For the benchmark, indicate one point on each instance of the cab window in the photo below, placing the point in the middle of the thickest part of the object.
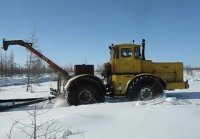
(137, 52)
(115, 53)
(126, 52)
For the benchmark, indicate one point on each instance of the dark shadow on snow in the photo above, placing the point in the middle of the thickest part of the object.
(116, 99)
(177, 95)
(184, 95)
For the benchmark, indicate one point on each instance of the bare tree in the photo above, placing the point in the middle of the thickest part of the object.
(11, 65)
(99, 68)
(5, 65)
(9, 135)
(46, 130)
(1, 64)
(35, 66)
(189, 70)
(69, 67)
(29, 70)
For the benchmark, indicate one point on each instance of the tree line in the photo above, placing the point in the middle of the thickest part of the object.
(9, 67)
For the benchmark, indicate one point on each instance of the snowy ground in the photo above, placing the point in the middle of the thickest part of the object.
(176, 116)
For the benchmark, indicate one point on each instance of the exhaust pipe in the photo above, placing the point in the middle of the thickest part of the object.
(143, 49)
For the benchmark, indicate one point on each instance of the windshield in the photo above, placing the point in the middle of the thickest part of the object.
(126, 52)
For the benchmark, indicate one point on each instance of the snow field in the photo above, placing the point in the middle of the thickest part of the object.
(175, 116)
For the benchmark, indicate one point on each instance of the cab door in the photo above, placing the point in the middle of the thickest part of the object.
(128, 62)
(124, 61)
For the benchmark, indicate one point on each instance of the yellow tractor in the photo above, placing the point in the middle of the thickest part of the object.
(130, 74)
(127, 74)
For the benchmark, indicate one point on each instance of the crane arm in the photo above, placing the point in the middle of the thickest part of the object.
(27, 45)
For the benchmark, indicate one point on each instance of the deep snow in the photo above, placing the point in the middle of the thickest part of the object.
(175, 116)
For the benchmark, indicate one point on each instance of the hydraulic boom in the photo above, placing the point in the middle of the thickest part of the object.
(27, 45)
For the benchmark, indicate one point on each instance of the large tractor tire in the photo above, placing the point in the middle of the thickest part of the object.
(145, 88)
(85, 93)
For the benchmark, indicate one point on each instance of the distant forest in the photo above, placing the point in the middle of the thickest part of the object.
(34, 66)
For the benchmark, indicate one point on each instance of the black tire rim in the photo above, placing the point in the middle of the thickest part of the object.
(85, 96)
(146, 93)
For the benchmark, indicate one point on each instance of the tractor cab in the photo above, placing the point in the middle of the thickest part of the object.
(125, 51)
(126, 58)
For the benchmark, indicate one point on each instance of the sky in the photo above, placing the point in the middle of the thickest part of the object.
(80, 31)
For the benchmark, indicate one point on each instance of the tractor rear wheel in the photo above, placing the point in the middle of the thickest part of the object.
(85, 94)
(145, 88)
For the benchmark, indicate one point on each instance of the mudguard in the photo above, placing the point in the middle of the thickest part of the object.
(164, 84)
(85, 78)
